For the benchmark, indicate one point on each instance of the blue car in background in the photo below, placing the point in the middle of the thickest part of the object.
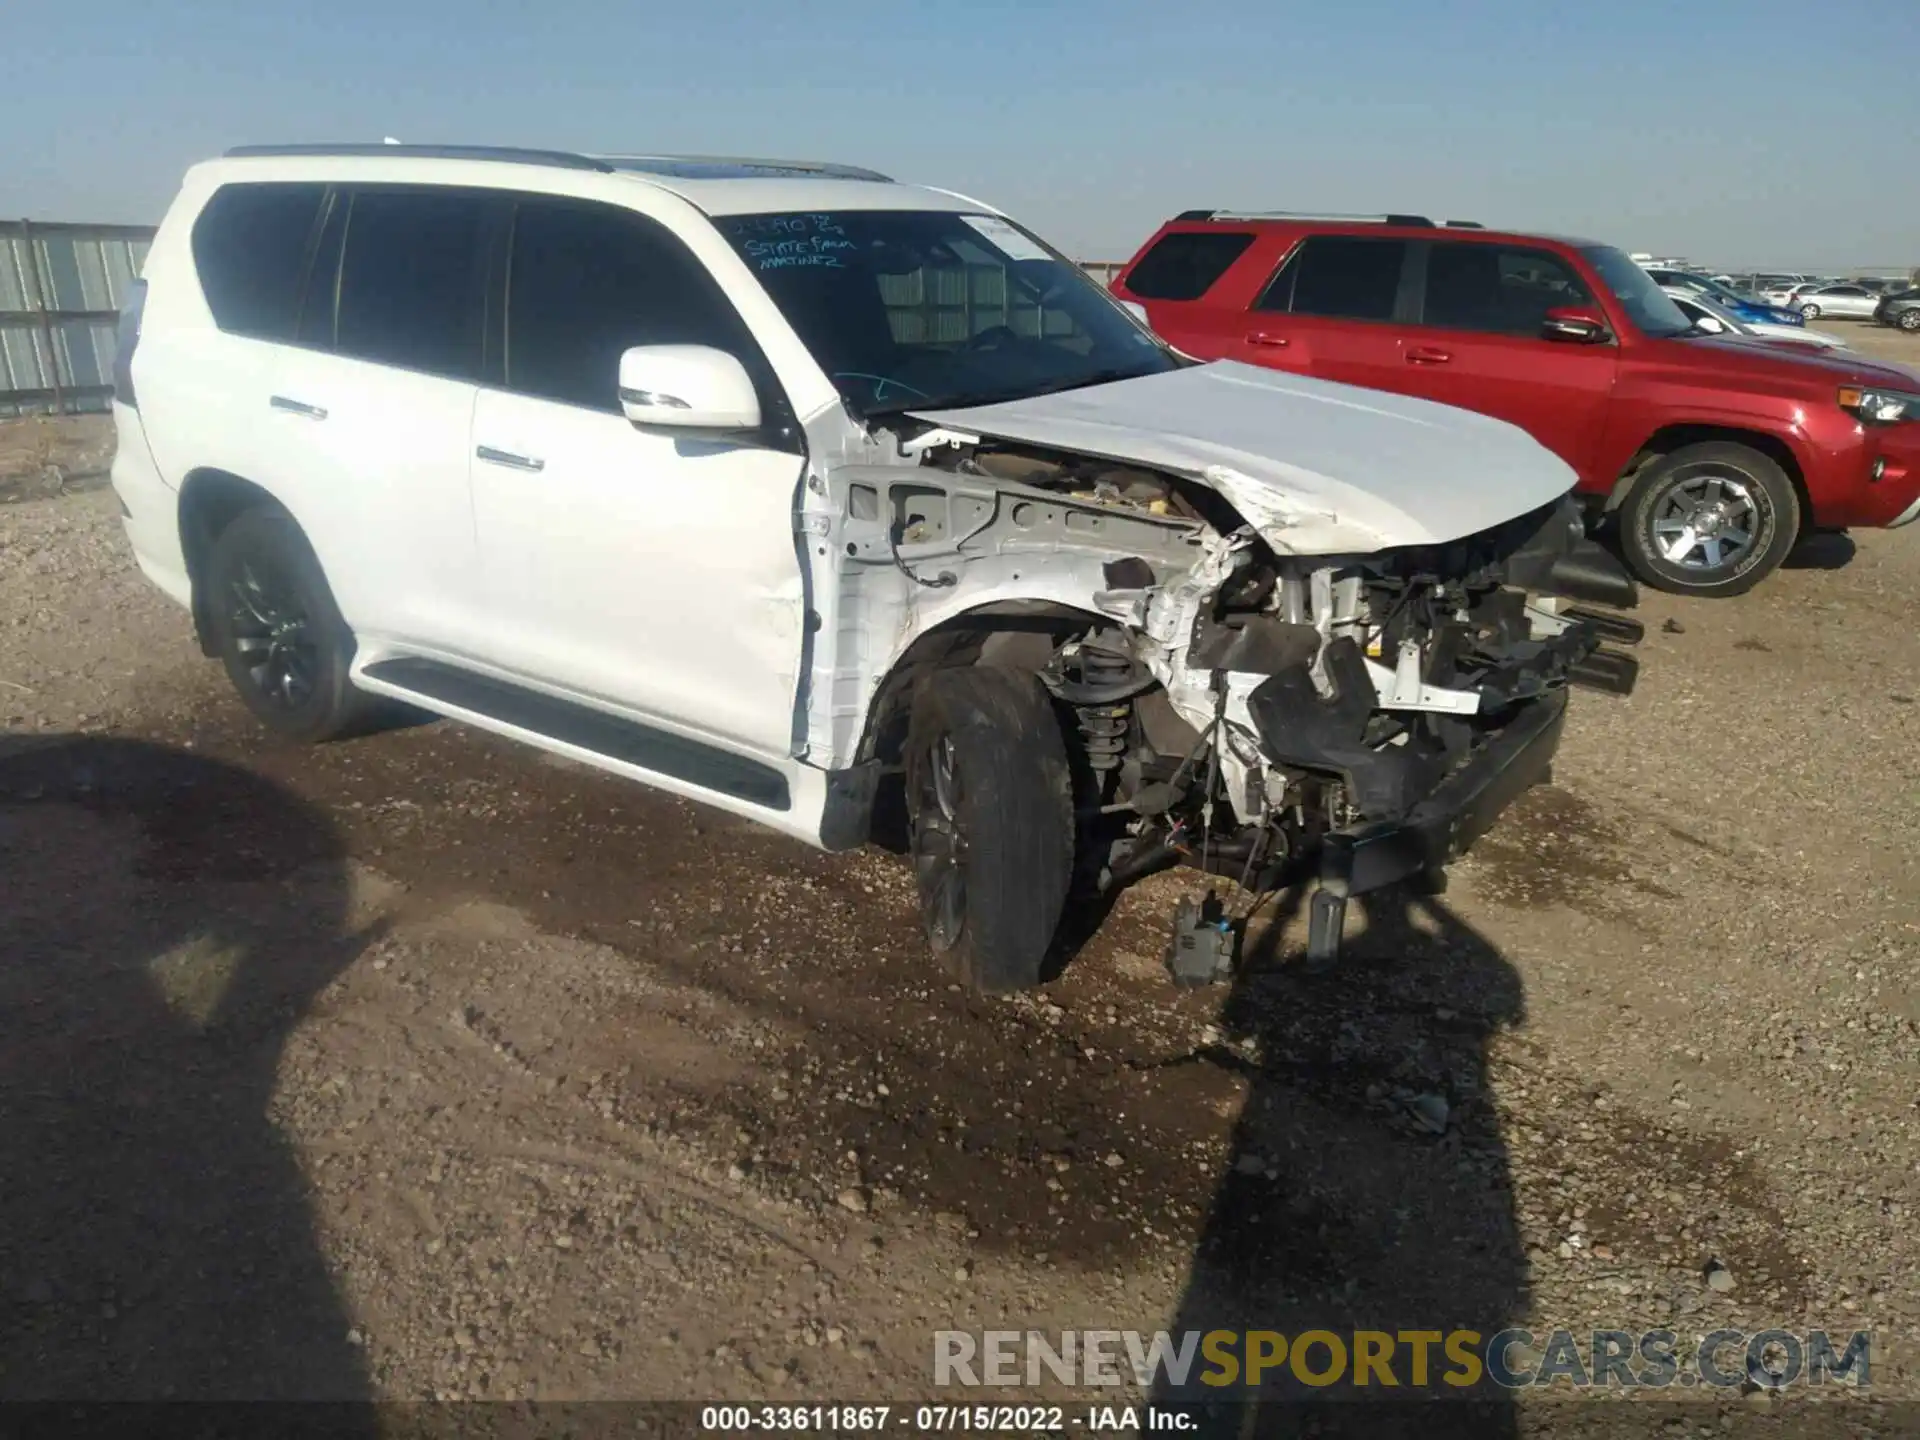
(1744, 307)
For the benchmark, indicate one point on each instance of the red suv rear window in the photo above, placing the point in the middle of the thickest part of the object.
(1184, 264)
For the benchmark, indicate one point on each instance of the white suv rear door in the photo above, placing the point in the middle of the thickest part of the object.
(204, 388)
(371, 408)
(648, 571)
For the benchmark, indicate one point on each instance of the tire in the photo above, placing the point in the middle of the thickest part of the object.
(1809, 313)
(277, 631)
(989, 800)
(1731, 483)
(1909, 320)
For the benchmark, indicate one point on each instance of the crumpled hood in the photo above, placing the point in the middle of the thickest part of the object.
(1316, 467)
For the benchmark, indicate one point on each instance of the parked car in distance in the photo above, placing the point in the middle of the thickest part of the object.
(688, 470)
(1781, 292)
(1746, 309)
(1901, 309)
(1711, 453)
(1845, 298)
(1713, 318)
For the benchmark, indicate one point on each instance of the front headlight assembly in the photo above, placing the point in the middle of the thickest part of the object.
(1876, 405)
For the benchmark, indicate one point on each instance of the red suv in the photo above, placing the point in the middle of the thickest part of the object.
(1713, 453)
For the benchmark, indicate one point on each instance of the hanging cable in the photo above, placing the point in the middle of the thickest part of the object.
(940, 582)
(1218, 731)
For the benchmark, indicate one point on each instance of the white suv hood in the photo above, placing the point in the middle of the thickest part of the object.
(1317, 468)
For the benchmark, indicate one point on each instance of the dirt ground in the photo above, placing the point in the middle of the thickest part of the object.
(424, 1066)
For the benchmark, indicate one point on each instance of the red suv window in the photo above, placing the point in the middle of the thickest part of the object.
(1341, 277)
(1185, 264)
(1498, 289)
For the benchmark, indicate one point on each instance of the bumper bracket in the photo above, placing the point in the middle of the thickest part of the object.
(1441, 828)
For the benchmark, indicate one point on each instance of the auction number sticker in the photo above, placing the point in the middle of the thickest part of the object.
(1011, 241)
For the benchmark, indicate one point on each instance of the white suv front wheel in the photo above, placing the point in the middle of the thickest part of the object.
(989, 797)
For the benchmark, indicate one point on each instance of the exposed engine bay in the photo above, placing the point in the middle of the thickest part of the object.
(1249, 710)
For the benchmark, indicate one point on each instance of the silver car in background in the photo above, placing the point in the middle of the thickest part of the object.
(1846, 298)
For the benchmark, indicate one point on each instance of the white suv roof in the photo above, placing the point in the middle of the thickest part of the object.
(717, 185)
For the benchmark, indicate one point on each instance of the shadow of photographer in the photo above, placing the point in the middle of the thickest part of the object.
(168, 919)
(1368, 1187)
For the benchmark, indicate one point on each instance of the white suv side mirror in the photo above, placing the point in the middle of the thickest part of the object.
(687, 387)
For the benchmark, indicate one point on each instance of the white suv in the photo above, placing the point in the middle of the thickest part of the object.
(801, 492)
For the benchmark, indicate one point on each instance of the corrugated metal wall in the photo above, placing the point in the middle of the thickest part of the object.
(61, 287)
(945, 305)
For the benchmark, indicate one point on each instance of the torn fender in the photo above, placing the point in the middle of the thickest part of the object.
(897, 551)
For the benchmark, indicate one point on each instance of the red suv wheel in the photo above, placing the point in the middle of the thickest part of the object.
(1710, 520)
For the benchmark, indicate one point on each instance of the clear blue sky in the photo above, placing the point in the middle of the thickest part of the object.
(1740, 132)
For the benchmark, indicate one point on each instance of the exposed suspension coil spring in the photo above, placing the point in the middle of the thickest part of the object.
(1104, 727)
(1098, 676)
(1104, 731)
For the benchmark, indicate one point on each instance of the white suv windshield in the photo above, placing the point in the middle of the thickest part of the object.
(910, 310)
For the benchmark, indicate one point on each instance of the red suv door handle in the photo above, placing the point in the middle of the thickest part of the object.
(1267, 338)
(1427, 355)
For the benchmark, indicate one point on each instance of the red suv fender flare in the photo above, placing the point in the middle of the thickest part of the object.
(1784, 450)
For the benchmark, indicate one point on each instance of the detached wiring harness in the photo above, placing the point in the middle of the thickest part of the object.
(895, 532)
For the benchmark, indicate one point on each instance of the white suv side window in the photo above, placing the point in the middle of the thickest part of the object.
(250, 248)
(587, 282)
(412, 280)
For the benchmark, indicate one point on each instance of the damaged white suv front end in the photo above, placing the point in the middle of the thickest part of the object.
(1089, 619)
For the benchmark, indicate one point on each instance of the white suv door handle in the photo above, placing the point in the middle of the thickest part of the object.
(297, 407)
(510, 460)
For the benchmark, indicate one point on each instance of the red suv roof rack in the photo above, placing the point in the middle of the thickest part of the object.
(1417, 221)
(1387, 219)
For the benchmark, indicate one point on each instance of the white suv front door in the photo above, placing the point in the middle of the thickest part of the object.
(651, 573)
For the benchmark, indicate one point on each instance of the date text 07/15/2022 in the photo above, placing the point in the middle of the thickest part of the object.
(944, 1419)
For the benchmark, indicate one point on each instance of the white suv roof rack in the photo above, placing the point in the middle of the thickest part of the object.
(685, 167)
(721, 167)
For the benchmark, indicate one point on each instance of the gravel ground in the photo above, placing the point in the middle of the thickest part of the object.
(42, 456)
(422, 1066)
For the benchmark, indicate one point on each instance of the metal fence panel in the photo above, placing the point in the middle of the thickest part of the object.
(84, 348)
(950, 304)
(23, 356)
(61, 289)
(17, 292)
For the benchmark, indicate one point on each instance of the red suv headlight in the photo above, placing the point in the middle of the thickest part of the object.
(1877, 405)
